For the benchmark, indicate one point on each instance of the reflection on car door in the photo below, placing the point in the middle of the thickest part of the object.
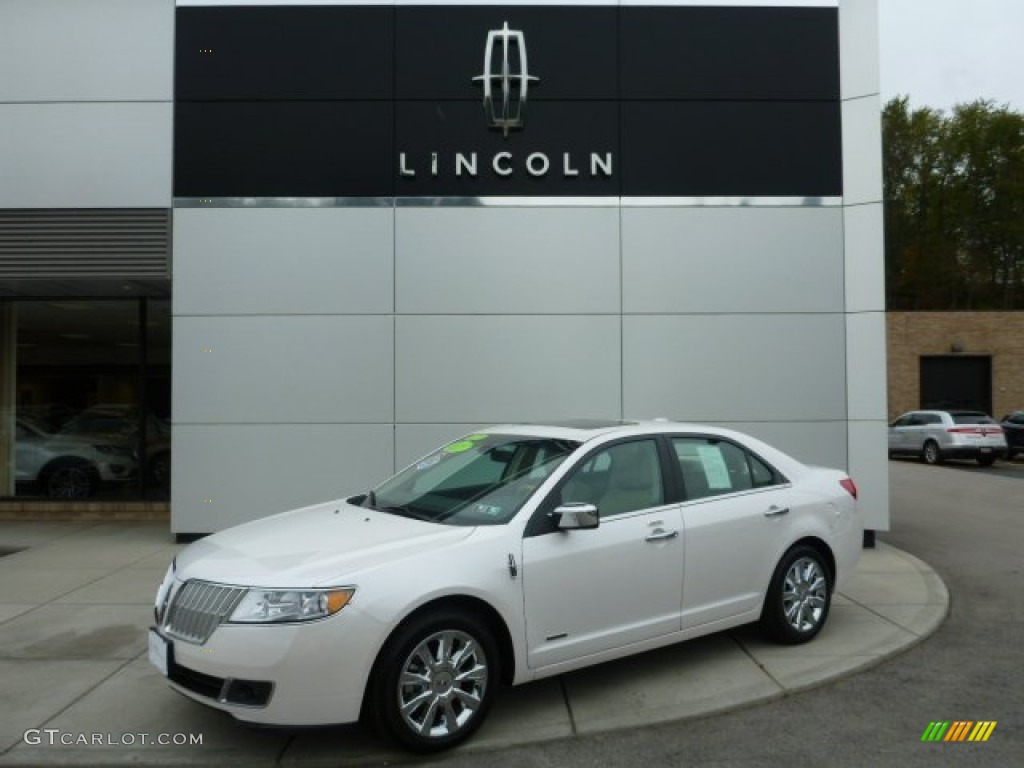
(588, 591)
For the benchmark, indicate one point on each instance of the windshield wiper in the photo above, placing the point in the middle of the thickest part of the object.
(407, 512)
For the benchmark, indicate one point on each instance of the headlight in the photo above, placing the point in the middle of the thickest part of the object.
(270, 606)
(164, 592)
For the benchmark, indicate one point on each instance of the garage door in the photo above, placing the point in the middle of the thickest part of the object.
(957, 382)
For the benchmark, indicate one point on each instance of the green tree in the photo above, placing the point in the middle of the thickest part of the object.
(954, 218)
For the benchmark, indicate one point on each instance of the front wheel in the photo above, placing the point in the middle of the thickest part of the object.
(931, 454)
(799, 597)
(70, 479)
(435, 681)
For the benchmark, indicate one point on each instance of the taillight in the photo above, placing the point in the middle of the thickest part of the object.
(849, 486)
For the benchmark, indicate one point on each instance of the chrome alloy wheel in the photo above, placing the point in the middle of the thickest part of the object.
(442, 684)
(804, 594)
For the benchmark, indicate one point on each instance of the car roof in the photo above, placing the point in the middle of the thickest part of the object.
(950, 411)
(583, 430)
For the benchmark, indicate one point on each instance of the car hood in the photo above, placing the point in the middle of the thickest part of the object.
(324, 545)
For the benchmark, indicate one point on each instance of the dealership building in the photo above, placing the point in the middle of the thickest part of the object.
(284, 249)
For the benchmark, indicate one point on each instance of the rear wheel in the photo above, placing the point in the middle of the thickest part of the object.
(931, 453)
(799, 596)
(435, 681)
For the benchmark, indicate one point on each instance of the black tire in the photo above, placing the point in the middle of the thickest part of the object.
(986, 460)
(70, 479)
(799, 597)
(931, 453)
(450, 709)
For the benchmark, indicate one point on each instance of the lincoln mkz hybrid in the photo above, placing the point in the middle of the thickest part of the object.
(509, 555)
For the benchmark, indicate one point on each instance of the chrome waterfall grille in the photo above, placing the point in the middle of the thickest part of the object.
(198, 608)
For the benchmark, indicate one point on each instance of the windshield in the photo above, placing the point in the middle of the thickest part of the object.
(477, 480)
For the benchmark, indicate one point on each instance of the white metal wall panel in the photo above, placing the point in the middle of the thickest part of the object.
(864, 257)
(94, 50)
(531, 260)
(858, 48)
(506, 368)
(866, 360)
(863, 227)
(300, 261)
(735, 259)
(862, 150)
(279, 370)
(822, 443)
(85, 155)
(229, 474)
(869, 467)
(735, 367)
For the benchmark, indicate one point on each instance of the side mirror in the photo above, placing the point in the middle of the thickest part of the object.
(575, 516)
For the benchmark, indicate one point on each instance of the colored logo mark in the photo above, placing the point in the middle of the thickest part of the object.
(959, 730)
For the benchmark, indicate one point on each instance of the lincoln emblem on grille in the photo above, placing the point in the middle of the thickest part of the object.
(505, 83)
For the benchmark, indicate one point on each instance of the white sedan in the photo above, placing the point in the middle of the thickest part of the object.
(509, 555)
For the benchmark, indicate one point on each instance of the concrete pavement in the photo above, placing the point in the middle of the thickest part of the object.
(78, 690)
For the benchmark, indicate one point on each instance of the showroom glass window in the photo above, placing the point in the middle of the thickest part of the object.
(85, 399)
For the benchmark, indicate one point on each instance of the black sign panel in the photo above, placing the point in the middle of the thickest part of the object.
(283, 53)
(283, 149)
(730, 53)
(732, 148)
(341, 101)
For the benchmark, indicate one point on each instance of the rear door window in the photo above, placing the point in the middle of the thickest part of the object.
(713, 467)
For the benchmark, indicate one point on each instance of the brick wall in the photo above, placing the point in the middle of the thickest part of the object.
(997, 334)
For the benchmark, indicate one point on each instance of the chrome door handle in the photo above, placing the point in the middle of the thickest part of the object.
(774, 511)
(662, 535)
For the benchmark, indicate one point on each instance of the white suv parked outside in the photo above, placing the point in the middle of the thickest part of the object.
(939, 435)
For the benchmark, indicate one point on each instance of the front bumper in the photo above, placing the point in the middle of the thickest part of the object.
(116, 470)
(294, 674)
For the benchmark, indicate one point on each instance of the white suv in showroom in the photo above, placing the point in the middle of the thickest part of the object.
(67, 466)
(938, 435)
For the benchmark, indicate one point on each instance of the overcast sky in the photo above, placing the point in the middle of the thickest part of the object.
(946, 52)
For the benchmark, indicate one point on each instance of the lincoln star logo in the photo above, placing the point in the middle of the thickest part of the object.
(505, 78)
